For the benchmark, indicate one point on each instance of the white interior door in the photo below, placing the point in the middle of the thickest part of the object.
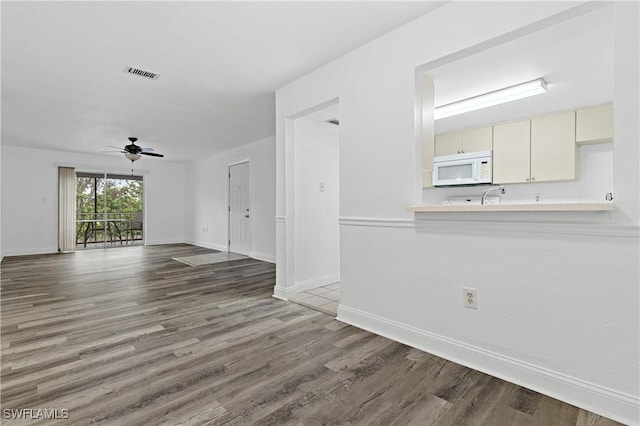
(239, 209)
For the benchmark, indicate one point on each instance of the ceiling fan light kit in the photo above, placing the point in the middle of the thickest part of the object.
(134, 152)
(132, 157)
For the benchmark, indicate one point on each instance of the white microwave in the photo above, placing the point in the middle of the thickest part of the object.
(470, 168)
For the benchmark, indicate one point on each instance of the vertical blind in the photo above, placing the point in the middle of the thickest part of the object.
(66, 209)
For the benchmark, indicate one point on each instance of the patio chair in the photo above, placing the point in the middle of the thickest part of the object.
(135, 226)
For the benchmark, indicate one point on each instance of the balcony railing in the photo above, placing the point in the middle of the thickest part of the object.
(108, 228)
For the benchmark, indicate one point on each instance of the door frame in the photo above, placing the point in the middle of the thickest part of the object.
(286, 284)
(229, 203)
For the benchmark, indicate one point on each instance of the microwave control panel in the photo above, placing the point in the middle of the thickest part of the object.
(485, 170)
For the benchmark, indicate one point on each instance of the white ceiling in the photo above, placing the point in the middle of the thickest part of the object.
(63, 85)
(574, 57)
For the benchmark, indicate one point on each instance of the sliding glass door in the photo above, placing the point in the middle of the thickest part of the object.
(109, 210)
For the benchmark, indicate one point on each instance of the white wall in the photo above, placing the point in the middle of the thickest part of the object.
(317, 229)
(208, 192)
(1, 252)
(558, 293)
(30, 196)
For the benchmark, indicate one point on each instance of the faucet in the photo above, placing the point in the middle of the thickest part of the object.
(497, 188)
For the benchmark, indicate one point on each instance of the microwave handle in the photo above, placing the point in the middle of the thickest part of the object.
(474, 169)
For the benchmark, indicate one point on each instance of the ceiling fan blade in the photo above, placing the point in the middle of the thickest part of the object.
(152, 154)
(147, 150)
(115, 147)
(119, 151)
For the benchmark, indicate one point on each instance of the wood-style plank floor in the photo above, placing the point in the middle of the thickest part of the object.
(129, 336)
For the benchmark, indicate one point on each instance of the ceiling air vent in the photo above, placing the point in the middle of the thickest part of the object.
(333, 121)
(142, 73)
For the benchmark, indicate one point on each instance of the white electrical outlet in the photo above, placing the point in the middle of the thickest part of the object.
(470, 298)
(537, 197)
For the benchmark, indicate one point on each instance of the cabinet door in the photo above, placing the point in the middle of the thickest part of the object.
(477, 139)
(594, 125)
(448, 143)
(553, 147)
(427, 178)
(511, 152)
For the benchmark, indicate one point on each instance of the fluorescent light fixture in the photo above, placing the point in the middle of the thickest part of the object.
(497, 97)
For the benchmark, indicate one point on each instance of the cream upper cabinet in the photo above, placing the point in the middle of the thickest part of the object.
(594, 125)
(467, 141)
(448, 143)
(511, 152)
(553, 147)
(477, 139)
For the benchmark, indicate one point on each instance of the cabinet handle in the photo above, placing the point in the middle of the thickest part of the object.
(533, 178)
(528, 179)
(458, 151)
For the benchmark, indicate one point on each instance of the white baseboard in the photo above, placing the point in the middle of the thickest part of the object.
(262, 256)
(285, 293)
(30, 251)
(598, 399)
(254, 254)
(280, 292)
(208, 245)
(161, 242)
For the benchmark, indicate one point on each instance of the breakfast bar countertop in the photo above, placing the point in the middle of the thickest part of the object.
(534, 207)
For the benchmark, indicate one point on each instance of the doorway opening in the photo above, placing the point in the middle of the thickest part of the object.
(109, 210)
(316, 208)
(239, 209)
